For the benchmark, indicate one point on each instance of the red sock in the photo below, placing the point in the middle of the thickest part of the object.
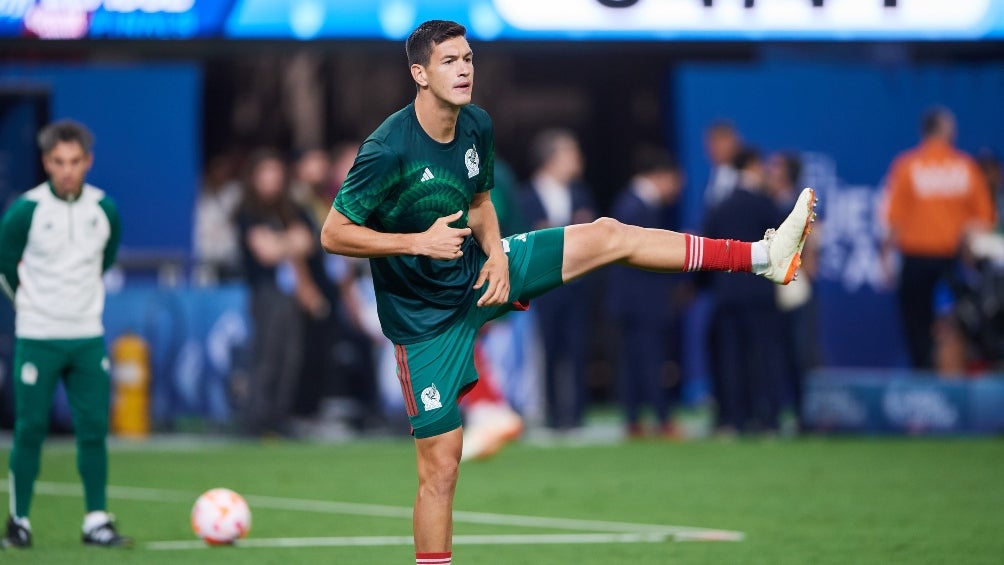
(706, 254)
(445, 558)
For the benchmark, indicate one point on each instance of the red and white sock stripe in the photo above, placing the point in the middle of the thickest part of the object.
(706, 254)
(434, 558)
(695, 253)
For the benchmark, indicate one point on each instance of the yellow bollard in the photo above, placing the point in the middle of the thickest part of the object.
(131, 379)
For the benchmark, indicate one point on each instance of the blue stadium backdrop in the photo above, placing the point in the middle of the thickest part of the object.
(147, 121)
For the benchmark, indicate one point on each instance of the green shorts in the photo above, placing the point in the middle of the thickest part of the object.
(435, 373)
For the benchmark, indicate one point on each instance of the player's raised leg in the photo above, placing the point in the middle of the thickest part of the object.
(777, 257)
(438, 468)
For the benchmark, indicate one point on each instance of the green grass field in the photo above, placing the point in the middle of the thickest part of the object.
(805, 501)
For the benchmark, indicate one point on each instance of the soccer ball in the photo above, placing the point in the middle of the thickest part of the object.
(221, 516)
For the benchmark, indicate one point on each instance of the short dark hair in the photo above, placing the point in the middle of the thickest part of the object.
(65, 131)
(746, 157)
(933, 120)
(426, 36)
(545, 144)
(792, 166)
(650, 159)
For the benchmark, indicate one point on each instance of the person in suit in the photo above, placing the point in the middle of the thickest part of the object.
(722, 144)
(747, 361)
(556, 197)
(641, 303)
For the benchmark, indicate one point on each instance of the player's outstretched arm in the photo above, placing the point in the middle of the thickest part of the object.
(342, 236)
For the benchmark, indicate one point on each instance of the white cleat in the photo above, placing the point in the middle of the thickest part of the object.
(784, 245)
(488, 429)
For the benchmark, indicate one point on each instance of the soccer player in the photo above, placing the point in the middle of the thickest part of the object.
(416, 203)
(56, 240)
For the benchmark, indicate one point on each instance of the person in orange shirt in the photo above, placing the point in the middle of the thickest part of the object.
(937, 194)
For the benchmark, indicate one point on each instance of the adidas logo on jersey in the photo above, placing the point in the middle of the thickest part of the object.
(427, 175)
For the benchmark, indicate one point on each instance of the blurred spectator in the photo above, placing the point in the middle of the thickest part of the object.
(781, 178)
(937, 193)
(343, 369)
(795, 300)
(722, 143)
(641, 302)
(990, 164)
(746, 353)
(505, 199)
(556, 197)
(345, 270)
(214, 237)
(275, 239)
(969, 314)
(310, 186)
(342, 156)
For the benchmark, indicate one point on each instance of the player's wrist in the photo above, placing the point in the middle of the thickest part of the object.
(495, 251)
(413, 244)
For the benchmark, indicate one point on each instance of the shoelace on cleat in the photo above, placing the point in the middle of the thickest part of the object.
(103, 534)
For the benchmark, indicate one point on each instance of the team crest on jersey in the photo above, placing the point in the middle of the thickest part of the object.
(430, 398)
(473, 162)
(29, 374)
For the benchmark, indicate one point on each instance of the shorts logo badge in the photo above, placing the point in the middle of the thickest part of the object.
(29, 374)
(473, 162)
(430, 398)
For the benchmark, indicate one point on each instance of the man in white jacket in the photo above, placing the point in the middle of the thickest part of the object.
(56, 241)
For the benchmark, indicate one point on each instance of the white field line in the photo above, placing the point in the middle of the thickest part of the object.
(387, 541)
(662, 532)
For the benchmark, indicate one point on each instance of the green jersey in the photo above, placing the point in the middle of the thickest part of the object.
(402, 181)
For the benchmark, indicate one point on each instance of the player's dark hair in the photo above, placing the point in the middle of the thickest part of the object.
(933, 120)
(792, 166)
(545, 145)
(65, 131)
(650, 159)
(426, 36)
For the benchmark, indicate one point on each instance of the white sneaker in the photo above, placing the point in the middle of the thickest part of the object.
(784, 245)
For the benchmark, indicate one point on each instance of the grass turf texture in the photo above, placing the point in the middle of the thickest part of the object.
(806, 501)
